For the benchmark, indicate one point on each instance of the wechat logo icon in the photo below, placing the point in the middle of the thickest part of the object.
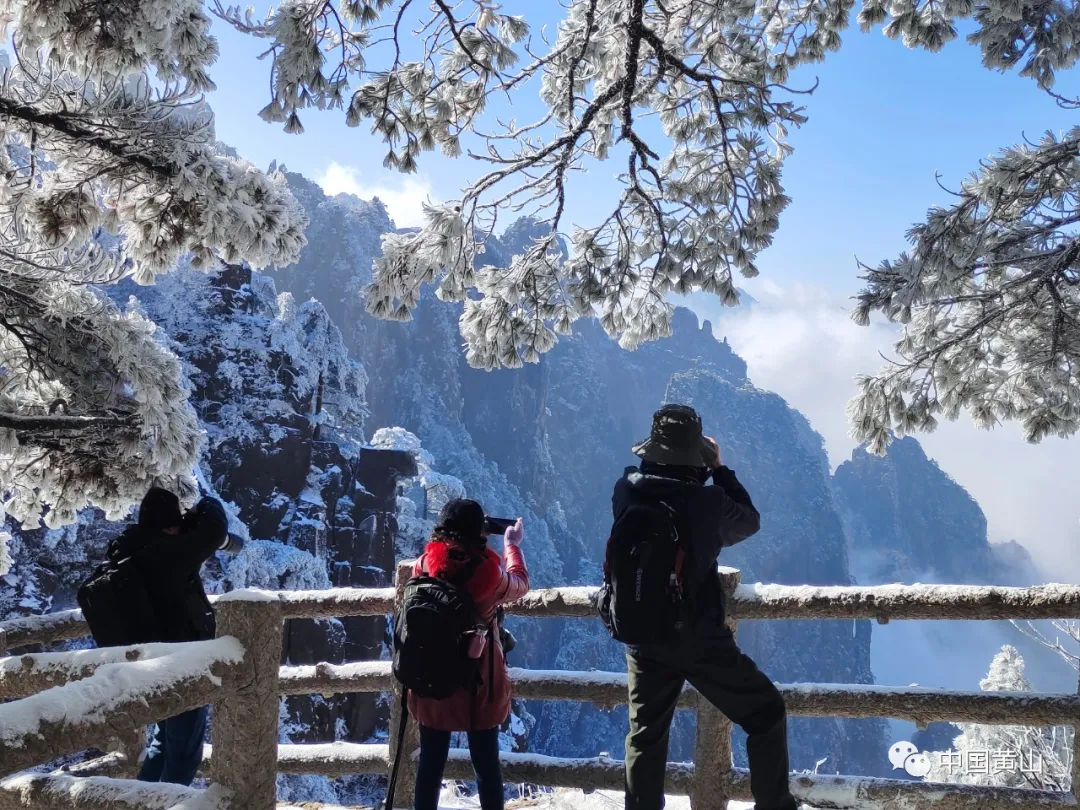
(905, 756)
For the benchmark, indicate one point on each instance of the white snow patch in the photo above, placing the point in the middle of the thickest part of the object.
(5, 554)
(248, 595)
(95, 790)
(917, 591)
(312, 496)
(345, 597)
(562, 676)
(566, 799)
(362, 754)
(44, 663)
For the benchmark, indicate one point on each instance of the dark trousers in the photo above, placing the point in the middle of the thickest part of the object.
(484, 751)
(175, 753)
(732, 683)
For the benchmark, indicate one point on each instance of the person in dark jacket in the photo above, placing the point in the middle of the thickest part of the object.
(169, 549)
(677, 464)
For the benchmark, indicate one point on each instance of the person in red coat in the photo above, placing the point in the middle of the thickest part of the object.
(459, 541)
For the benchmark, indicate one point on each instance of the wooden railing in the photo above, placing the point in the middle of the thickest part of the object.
(68, 702)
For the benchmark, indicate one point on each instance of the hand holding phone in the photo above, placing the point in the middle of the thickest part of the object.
(712, 444)
(515, 534)
(494, 525)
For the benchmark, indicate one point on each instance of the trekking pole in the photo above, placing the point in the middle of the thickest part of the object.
(391, 787)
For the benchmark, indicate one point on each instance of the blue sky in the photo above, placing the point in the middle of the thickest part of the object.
(883, 121)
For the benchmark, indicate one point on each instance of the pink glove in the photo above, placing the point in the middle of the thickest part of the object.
(514, 534)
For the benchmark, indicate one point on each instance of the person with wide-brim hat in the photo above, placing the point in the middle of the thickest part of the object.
(677, 440)
(677, 461)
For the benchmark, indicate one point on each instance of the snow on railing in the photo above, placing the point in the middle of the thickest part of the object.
(28, 674)
(747, 602)
(98, 793)
(142, 684)
(50, 628)
(885, 602)
(83, 713)
(335, 679)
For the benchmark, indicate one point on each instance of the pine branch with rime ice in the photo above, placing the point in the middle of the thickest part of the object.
(109, 170)
(701, 200)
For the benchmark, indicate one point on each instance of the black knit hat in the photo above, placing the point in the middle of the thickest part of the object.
(160, 509)
(676, 439)
(462, 520)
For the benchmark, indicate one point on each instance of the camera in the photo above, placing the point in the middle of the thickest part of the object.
(493, 525)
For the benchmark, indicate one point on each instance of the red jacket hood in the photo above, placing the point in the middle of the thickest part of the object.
(445, 560)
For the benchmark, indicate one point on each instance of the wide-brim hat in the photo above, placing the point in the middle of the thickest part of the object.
(676, 439)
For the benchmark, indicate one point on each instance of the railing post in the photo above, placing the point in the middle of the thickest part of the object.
(245, 722)
(403, 794)
(131, 744)
(712, 752)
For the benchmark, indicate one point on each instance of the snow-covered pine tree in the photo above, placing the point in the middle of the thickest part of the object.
(1013, 756)
(989, 296)
(109, 169)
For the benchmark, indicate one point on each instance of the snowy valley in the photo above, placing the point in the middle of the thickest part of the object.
(336, 437)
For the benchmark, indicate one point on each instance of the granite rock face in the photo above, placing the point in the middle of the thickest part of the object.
(292, 380)
(548, 442)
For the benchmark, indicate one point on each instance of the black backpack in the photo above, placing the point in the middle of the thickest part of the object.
(642, 600)
(117, 605)
(431, 635)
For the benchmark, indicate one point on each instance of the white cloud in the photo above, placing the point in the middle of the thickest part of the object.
(403, 195)
(800, 342)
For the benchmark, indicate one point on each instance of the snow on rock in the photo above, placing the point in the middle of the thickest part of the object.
(6, 560)
(397, 438)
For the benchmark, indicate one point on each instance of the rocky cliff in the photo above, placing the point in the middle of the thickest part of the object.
(291, 413)
(906, 520)
(548, 442)
(283, 405)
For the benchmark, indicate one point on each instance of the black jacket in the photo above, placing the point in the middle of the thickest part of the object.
(170, 565)
(709, 518)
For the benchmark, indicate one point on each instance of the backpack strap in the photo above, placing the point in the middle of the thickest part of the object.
(491, 661)
(680, 548)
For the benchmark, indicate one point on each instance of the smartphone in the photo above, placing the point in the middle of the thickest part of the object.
(493, 525)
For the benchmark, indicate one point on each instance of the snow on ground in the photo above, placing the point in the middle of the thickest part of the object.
(565, 799)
